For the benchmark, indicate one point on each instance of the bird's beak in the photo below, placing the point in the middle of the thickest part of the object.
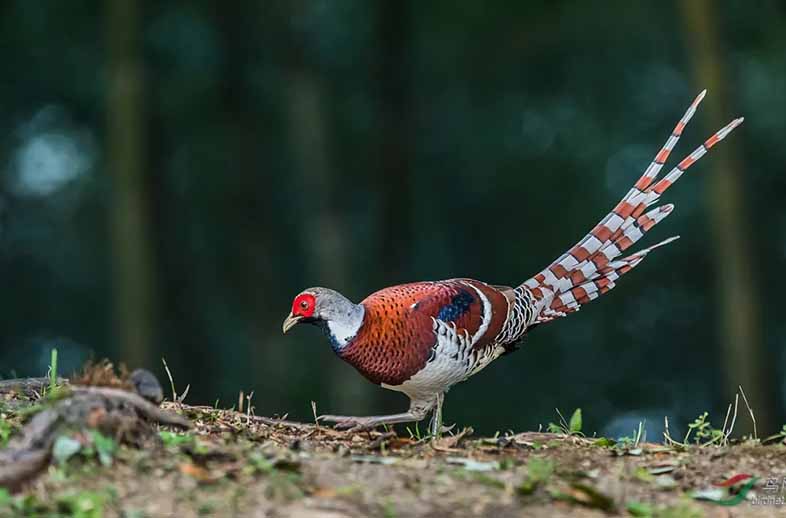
(290, 322)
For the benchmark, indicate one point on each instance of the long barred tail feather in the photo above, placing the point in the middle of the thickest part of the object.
(622, 239)
(607, 228)
(657, 163)
(591, 267)
(602, 282)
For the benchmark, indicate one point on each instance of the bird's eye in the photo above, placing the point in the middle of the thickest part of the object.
(304, 304)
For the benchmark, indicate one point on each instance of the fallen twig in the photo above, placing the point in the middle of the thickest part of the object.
(447, 444)
(377, 443)
(750, 411)
(270, 421)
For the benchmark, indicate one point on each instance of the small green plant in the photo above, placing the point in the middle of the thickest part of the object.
(83, 504)
(415, 433)
(6, 429)
(680, 510)
(389, 509)
(631, 442)
(5, 498)
(704, 434)
(206, 509)
(52, 391)
(572, 427)
(99, 445)
(53, 371)
(283, 476)
(539, 471)
(175, 439)
(79, 504)
(260, 464)
(488, 480)
(21, 505)
(477, 477)
(703, 431)
(284, 486)
(104, 447)
(640, 509)
(604, 442)
(643, 474)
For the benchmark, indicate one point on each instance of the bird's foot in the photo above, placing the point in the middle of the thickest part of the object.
(355, 424)
(350, 423)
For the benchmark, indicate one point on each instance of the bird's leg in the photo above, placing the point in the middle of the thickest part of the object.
(436, 428)
(417, 411)
(436, 417)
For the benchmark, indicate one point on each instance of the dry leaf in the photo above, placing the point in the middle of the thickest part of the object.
(196, 472)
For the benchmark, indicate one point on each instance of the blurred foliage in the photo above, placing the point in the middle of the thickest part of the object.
(359, 144)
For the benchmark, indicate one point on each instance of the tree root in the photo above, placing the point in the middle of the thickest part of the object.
(121, 414)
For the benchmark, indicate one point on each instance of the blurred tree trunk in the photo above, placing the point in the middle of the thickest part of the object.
(240, 24)
(394, 171)
(319, 187)
(128, 219)
(743, 349)
(308, 132)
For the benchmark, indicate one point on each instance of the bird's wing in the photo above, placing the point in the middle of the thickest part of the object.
(476, 310)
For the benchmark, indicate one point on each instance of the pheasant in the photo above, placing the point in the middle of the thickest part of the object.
(424, 337)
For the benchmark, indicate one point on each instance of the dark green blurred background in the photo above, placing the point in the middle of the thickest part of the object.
(173, 173)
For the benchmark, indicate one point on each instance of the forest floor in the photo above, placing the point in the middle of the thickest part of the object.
(236, 464)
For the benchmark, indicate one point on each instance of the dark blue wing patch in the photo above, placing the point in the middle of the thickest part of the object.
(459, 304)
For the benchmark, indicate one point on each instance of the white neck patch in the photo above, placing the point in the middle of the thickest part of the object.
(345, 330)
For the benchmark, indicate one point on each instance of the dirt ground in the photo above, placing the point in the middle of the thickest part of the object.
(233, 464)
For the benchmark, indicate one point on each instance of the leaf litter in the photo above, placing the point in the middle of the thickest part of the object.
(230, 463)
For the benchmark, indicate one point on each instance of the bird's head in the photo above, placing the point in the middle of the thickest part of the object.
(327, 308)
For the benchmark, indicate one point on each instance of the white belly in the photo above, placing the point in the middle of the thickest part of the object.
(452, 361)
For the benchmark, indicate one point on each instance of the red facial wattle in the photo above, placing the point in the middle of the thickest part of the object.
(303, 305)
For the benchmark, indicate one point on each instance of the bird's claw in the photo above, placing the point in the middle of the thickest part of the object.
(446, 429)
(442, 429)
